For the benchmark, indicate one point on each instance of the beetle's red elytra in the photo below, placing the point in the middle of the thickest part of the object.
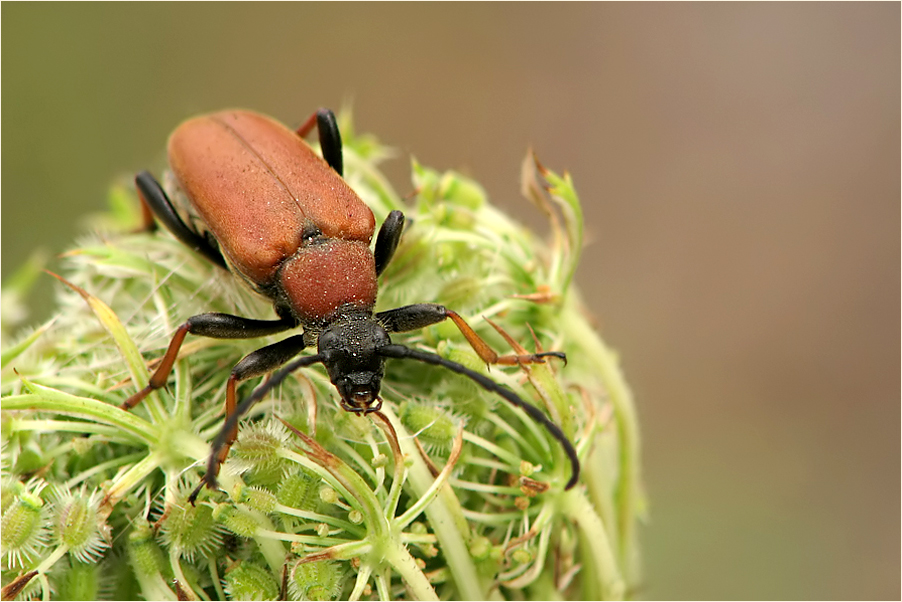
(283, 184)
(255, 199)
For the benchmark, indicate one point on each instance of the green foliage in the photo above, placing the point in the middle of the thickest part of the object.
(327, 505)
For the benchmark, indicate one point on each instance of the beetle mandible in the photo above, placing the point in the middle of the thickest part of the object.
(256, 200)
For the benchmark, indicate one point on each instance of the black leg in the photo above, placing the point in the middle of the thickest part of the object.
(388, 239)
(232, 421)
(258, 363)
(155, 197)
(329, 137)
(413, 317)
(402, 352)
(267, 359)
(214, 326)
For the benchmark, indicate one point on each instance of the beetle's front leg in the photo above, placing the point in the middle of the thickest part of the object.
(215, 326)
(413, 317)
(260, 362)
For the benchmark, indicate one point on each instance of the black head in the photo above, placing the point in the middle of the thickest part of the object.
(349, 350)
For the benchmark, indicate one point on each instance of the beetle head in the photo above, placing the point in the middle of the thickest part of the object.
(349, 348)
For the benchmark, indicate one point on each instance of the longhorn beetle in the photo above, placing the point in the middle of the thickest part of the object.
(256, 200)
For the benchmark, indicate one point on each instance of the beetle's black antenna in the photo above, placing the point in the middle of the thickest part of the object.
(402, 352)
(259, 393)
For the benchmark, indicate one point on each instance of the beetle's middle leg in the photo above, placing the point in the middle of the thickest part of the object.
(215, 326)
(388, 239)
(413, 317)
(153, 197)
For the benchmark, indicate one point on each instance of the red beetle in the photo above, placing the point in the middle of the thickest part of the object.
(255, 199)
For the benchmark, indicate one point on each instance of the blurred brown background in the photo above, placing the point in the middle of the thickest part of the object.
(739, 166)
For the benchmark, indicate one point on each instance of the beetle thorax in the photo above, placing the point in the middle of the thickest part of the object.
(326, 276)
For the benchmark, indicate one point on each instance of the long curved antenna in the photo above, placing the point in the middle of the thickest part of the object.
(213, 463)
(402, 352)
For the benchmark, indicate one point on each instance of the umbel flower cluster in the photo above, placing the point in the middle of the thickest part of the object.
(449, 492)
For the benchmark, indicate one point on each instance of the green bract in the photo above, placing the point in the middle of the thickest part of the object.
(454, 495)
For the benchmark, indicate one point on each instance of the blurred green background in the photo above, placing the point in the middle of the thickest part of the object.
(739, 166)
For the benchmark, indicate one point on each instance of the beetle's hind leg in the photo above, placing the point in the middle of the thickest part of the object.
(155, 202)
(329, 137)
(413, 317)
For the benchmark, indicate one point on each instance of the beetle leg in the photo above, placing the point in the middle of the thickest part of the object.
(153, 196)
(213, 462)
(388, 239)
(329, 137)
(413, 317)
(214, 326)
(148, 223)
(258, 363)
